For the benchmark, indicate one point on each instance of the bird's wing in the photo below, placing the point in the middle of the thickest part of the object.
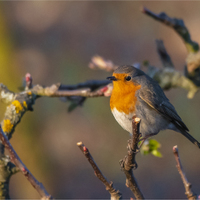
(158, 101)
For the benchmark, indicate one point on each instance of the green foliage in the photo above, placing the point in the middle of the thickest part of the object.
(151, 146)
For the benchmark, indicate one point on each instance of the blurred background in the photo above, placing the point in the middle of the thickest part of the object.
(54, 41)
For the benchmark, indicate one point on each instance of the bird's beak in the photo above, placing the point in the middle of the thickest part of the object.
(112, 78)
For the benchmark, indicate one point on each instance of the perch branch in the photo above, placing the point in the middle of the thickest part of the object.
(17, 161)
(188, 191)
(178, 25)
(115, 194)
(129, 163)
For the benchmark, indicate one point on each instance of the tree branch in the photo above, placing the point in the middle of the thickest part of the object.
(115, 194)
(192, 69)
(17, 161)
(188, 191)
(7, 169)
(19, 103)
(14, 112)
(53, 91)
(178, 25)
(170, 78)
(129, 163)
(23, 101)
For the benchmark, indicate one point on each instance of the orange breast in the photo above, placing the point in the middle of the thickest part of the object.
(123, 95)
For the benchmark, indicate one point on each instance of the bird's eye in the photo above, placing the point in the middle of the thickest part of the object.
(127, 78)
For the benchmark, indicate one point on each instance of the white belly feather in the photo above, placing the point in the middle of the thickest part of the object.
(151, 122)
(123, 119)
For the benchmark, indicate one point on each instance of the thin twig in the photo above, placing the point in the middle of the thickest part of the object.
(188, 191)
(17, 161)
(82, 92)
(129, 163)
(164, 56)
(55, 91)
(115, 194)
(98, 62)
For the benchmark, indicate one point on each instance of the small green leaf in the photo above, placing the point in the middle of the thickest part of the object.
(151, 146)
(154, 144)
(156, 153)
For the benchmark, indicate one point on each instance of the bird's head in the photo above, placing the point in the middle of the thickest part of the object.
(125, 77)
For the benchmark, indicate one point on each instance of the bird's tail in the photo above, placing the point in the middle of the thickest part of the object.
(189, 137)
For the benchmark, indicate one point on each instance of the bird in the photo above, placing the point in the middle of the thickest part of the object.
(136, 94)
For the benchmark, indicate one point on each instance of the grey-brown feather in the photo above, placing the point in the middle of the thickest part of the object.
(154, 96)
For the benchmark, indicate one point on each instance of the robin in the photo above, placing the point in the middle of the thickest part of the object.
(135, 93)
